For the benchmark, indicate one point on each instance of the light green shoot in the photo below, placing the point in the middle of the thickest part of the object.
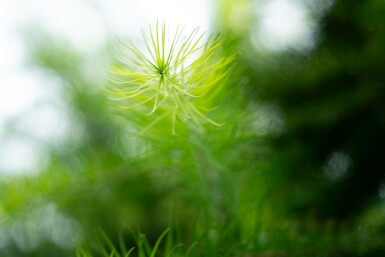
(167, 74)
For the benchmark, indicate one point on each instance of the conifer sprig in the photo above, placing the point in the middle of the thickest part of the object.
(170, 75)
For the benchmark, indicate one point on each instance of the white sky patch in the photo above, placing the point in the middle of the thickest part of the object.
(121, 16)
(47, 123)
(21, 89)
(127, 18)
(75, 21)
(20, 156)
(282, 25)
(182, 12)
(11, 48)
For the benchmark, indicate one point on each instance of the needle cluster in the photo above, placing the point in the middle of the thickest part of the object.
(170, 74)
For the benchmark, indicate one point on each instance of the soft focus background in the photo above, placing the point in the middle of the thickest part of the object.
(296, 171)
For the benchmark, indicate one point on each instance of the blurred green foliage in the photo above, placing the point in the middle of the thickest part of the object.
(297, 169)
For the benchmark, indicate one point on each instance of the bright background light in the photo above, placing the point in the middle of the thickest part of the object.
(284, 24)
